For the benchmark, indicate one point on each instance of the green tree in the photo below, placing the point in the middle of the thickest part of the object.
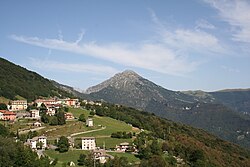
(63, 144)
(3, 106)
(154, 161)
(61, 118)
(156, 148)
(3, 131)
(81, 160)
(82, 118)
(45, 118)
(92, 113)
(53, 120)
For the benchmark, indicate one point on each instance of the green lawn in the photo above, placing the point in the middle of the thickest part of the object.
(111, 125)
(65, 157)
(78, 111)
(65, 130)
(74, 155)
(110, 142)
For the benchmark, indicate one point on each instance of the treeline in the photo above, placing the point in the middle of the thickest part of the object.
(16, 80)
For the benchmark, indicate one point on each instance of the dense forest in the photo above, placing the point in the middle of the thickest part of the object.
(16, 80)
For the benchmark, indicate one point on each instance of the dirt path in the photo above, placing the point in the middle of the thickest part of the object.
(79, 133)
(34, 129)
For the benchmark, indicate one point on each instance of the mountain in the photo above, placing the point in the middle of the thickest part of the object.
(237, 99)
(129, 88)
(17, 81)
(196, 108)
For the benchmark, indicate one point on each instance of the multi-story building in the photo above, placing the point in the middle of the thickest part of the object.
(39, 102)
(88, 143)
(34, 142)
(7, 115)
(18, 105)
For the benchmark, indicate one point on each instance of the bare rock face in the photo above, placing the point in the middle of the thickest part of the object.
(123, 80)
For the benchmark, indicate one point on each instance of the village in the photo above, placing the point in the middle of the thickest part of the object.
(80, 135)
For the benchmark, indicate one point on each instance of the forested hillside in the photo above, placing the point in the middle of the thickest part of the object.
(195, 146)
(16, 80)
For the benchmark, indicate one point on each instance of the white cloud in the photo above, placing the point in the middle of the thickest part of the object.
(235, 13)
(73, 67)
(60, 36)
(172, 52)
(151, 56)
(204, 24)
(229, 69)
(189, 40)
(80, 36)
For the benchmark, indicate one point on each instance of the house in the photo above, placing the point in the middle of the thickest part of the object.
(7, 115)
(37, 124)
(100, 155)
(34, 114)
(89, 122)
(51, 109)
(88, 143)
(71, 102)
(18, 105)
(51, 101)
(33, 143)
(122, 147)
(1, 115)
(69, 116)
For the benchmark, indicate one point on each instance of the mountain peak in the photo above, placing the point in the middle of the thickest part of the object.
(123, 79)
(129, 72)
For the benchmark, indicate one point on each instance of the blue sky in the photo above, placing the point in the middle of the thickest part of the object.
(178, 44)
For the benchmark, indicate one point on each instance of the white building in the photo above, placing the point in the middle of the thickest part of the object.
(88, 143)
(18, 105)
(89, 122)
(34, 141)
(34, 114)
(122, 147)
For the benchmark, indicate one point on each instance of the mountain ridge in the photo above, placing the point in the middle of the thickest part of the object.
(192, 108)
(18, 81)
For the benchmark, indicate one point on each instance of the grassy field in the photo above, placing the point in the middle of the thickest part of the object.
(78, 111)
(111, 125)
(74, 156)
(110, 142)
(65, 157)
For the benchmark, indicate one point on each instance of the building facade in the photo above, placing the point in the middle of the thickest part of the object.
(34, 114)
(88, 143)
(18, 105)
(7, 115)
(89, 122)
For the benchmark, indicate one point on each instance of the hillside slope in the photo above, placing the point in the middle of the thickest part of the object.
(130, 89)
(16, 80)
(182, 140)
